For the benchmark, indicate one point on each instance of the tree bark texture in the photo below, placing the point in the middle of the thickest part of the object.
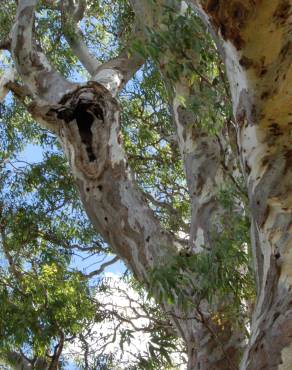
(86, 119)
(255, 40)
(89, 130)
(256, 37)
(204, 160)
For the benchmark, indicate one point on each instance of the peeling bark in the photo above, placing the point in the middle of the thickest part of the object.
(33, 67)
(257, 50)
(89, 130)
(7, 77)
(106, 184)
(217, 347)
(257, 41)
(203, 160)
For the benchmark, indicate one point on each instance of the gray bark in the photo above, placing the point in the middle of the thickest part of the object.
(119, 211)
(86, 119)
(204, 158)
(216, 347)
(36, 72)
(114, 203)
(72, 14)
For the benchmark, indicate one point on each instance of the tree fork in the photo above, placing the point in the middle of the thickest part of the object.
(87, 123)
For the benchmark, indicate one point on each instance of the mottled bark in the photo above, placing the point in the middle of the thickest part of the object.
(203, 158)
(87, 123)
(42, 80)
(212, 346)
(7, 77)
(46, 85)
(86, 119)
(218, 347)
(257, 41)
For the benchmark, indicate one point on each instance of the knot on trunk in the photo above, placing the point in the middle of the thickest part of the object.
(86, 118)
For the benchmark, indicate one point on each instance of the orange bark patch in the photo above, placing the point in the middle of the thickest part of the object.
(282, 12)
(230, 17)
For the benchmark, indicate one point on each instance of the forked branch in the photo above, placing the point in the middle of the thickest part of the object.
(71, 14)
(33, 67)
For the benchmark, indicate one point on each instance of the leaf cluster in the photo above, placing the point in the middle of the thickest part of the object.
(216, 274)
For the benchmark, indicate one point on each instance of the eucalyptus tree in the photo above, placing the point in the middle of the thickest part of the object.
(256, 47)
(85, 118)
(199, 100)
(118, 211)
(55, 312)
(45, 302)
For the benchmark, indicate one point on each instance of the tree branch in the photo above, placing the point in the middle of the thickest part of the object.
(102, 267)
(115, 73)
(42, 80)
(21, 92)
(16, 360)
(71, 14)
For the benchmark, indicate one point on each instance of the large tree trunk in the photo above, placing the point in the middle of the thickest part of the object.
(88, 123)
(86, 119)
(217, 346)
(89, 129)
(257, 42)
(212, 346)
